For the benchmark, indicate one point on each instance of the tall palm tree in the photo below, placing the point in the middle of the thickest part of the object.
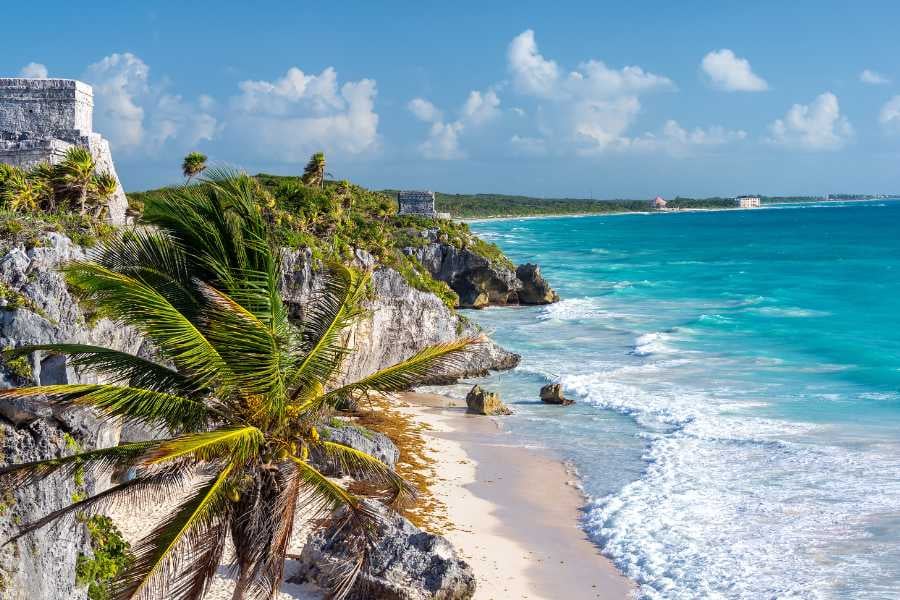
(314, 173)
(194, 164)
(239, 388)
(74, 175)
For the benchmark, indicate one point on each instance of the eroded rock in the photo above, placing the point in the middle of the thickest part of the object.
(552, 394)
(483, 402)
(405, 563)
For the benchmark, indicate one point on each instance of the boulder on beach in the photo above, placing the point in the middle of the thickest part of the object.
(552, 394)
(483, 402)
(404, 563)
(373, 443)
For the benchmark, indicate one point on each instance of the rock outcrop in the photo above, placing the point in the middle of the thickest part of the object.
(37, 308)
(359, 438)
(400, 321)
(405, 563)
(483, 402)
(535, 289)
(552, 394)
(478, 281)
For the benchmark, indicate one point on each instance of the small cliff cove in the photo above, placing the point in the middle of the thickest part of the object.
(57, 321)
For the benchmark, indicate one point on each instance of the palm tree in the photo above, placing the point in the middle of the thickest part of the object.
(102, 189)
(42, 175)
(239, 388)
(74, 175)
(20, 191)
(314, 173)
(194, 164)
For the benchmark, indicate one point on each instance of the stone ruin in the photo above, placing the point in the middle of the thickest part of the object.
(40, 119)
(416, 203)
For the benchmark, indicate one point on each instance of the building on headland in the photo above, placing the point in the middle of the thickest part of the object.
(412, 202)
(747, 201)
(658, 203)
(40, 119)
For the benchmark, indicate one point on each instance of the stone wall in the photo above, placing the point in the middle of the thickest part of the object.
(40, 119)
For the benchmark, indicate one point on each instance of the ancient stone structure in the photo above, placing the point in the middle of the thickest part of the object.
(416, 203)
(42, 118)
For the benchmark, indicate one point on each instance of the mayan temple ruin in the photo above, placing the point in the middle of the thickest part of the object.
(42, 118)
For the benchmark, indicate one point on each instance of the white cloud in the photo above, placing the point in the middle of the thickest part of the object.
(139, 116)
(298, 114)
(873, 77)
(532, 73)
(443, 142)
(591, 108)
(731, 73)
(816, 126)
(528, 146)
(677, 141)
(889, 117)
(34, 70)
(424, 110)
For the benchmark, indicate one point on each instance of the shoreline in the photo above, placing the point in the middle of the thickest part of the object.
(514, 512)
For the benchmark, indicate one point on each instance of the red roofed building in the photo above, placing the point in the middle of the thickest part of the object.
(658, 203)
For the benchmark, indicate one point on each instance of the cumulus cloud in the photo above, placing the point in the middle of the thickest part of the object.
(815, 126)
(443, 142)
(889, 117)
(731, 73)
(591, 107)
(298, 114)
(528, 146)
(873, 77)
(34, 70)
(136, 114)
(678, 141)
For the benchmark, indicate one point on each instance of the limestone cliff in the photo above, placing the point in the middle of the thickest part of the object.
(37, 308)
(479, 281)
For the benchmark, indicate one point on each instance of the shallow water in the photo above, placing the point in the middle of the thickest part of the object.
(737, 374)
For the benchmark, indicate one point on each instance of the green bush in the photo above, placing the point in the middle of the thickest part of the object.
(110, 555)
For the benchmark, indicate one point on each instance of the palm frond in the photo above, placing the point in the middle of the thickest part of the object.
(428, 363)
(102, 459)
(146, 489)
(159, 556)
(334, 308)
(361, 465)
(117, 367)
(237, 444)
(135, 303)
(133, 404)
(269, 569)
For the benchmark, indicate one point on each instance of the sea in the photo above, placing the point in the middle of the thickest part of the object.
(737, 383)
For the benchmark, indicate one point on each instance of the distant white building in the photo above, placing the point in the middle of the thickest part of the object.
(416, 203)
(658, 203)
(747, 201)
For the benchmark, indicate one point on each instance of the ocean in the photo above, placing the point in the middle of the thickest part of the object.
(737, 379)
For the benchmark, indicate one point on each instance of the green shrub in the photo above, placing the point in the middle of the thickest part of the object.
(110, 555)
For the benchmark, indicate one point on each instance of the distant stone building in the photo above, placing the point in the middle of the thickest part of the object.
(658, 203)
(747, 201)
(416, 203)
(42, 118)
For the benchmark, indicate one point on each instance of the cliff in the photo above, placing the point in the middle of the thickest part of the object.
(478, 280)
(36, 307)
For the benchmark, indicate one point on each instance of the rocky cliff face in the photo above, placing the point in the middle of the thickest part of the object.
(478, 281)
(37, 308)
(400, 321)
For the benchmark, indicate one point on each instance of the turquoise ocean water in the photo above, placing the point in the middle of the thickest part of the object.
(737, 377)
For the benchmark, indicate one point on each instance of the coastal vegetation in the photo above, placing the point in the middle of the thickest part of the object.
(194, 164)
(239, 387)
(333, 219)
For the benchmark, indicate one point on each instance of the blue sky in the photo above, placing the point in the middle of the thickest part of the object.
(554, 99)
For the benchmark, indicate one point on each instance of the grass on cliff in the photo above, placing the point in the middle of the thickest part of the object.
(339, 217)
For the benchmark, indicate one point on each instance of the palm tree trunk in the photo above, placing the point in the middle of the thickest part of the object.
(83, 198)
(241, 585)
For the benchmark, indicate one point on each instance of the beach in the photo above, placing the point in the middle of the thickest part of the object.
(514, 510)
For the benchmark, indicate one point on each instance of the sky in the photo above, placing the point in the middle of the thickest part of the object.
(558, 99)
